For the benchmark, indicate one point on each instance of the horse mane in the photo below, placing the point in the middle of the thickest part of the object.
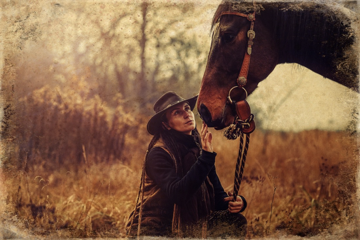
(305, 29)
(330, 9)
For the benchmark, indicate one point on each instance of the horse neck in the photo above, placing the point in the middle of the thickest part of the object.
(314, 36)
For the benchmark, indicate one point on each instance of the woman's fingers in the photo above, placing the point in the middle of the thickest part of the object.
(206, 138)
(230, 197)
(234, 206)
(209, 135)
(203, 131)
(235, 209)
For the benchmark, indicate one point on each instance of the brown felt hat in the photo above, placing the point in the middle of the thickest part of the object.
(165, 102)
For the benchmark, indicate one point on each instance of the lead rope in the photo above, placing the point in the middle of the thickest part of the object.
(244, 121)
(240, 163)
(240, 128)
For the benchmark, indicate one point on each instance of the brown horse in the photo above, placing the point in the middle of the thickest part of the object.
(317, 36)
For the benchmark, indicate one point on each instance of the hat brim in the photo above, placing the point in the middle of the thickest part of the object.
(154, 123)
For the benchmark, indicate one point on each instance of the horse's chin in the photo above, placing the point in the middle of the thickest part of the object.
(221, 123)
(219, 128)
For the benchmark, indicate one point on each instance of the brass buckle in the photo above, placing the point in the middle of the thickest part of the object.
(251, 17)
(251, 34)
(241, 81)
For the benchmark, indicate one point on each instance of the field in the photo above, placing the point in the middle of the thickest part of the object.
(72, 169)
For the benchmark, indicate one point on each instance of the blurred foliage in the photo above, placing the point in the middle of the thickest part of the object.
(138, 49)
(58, 125)
(81, 61)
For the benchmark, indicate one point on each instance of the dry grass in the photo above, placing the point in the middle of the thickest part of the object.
(301, 183)
(59, 125)
(78, 170)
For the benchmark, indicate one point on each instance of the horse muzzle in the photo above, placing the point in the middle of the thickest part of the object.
(224, 121)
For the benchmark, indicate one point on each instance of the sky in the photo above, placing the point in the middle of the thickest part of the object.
(293, 98)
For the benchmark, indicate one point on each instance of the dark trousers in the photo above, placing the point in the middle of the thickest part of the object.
(220, 224)
(223, 224)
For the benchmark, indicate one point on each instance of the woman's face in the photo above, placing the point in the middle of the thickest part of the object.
(180, 118)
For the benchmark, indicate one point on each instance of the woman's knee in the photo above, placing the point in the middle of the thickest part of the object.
(224, 223)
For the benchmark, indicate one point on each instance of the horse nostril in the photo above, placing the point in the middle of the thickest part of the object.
(205, 114)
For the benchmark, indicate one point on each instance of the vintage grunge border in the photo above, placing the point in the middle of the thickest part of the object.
(8, 75)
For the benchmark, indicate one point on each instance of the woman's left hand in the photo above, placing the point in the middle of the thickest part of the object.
(234, 206)
(206, 138)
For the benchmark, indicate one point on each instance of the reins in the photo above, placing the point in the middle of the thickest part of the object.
(243, 123)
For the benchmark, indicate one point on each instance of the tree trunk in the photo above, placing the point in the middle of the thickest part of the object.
(143, 83)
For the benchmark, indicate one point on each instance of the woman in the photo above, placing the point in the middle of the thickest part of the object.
(180, 191)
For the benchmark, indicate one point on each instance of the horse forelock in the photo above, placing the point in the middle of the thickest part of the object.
(247, 6)
(240, 6)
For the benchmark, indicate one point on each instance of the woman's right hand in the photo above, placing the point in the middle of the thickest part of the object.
(206, 138)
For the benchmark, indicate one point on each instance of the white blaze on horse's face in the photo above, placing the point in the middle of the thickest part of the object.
(229, 43)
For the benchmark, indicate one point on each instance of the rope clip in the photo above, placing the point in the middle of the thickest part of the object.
(244, 120)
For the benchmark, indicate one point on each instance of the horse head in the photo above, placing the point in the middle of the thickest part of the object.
(279, 38)
(227, 51)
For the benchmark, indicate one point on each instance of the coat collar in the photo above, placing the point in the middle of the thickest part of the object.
(188, 141)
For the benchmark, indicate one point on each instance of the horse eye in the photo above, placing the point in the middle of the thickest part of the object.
(228, 37)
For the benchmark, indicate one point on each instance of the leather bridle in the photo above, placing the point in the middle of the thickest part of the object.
(244, 121)
(242, 78)
(243, 118)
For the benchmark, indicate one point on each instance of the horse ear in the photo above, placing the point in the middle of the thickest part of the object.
(166, 126)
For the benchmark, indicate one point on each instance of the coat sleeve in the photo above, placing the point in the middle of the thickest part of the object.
(220, 194)
(160, 167)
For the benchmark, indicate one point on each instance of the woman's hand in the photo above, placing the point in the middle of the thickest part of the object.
(206, 138)
(234, 206)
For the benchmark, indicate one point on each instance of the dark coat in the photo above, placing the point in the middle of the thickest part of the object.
(177, 192)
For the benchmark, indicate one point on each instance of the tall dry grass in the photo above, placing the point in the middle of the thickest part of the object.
(79, 163)
(71, 159)
(301, 183)
(59, 126)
